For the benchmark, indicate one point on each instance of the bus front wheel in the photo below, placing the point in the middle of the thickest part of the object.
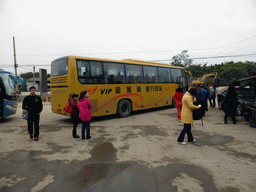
(124, 108)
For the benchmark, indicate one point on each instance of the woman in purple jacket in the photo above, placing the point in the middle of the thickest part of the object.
(84, 107)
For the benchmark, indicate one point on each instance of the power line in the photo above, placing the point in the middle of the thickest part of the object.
(221, 56)
(225, 45)
(153, 51)
(41, 65)
(25, 69)
(213, 57)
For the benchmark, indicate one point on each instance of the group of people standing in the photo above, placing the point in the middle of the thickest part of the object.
(80, 111)
(81, 106)
(203, 94)
(185, 106)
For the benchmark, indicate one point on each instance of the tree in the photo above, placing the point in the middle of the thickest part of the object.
(30, 75)
(196, 70)
(181, 60)
(251, 68)
(228, 72)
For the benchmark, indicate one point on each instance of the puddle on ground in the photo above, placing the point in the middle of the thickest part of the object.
(124, 148)
(165, 176)
(101, 172)
(214, 140)
(230, 189)
(239, 154)
(170, 114)
(104, 152)
(101, 129)
(7, 130)
(204, 138)
(57, 148)
(50, 128)
(147, 130)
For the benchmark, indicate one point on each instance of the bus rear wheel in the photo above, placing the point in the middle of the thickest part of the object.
(124, 108)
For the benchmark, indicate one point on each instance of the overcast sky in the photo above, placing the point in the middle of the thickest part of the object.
(116, 29)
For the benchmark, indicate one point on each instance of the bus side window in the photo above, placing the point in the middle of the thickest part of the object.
(173, 75)
(150, 74)
(96, 72)
(134, 74)
(164, 75)
(114, 73)
(83, 71)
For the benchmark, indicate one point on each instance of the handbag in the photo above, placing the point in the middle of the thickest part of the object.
(198, 113)
(25, 114)
(68, 108)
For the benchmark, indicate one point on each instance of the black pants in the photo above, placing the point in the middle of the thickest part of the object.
(233, 114)
(33, 123)
(212, 101)
(186, 129)
(86, 125)
(75, 120)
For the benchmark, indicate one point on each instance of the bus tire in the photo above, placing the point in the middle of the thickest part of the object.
(124, 108)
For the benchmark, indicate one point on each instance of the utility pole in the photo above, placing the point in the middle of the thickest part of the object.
(15, 64)
(34, 75)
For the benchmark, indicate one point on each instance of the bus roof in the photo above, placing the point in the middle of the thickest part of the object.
(12, 75)
(128, 61)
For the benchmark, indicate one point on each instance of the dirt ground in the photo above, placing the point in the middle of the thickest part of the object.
(137, 153)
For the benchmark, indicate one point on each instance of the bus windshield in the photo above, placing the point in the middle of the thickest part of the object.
(60, 67)
(8, 84)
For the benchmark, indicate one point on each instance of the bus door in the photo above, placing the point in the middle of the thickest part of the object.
(183, 80)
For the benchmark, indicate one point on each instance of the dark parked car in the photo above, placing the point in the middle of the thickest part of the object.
(245, 98)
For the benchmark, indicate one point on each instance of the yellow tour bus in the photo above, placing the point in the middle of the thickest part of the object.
(114, 86)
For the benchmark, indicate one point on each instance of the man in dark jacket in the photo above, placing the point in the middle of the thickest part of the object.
(202, 96)
(230, 103)
(33, 104)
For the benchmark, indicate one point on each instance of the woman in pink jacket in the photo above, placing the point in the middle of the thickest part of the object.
(84, 107)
